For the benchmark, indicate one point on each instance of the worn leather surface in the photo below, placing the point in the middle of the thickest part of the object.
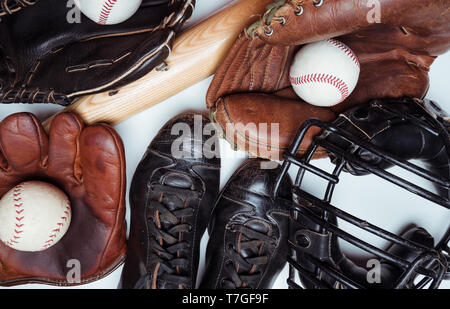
(171, 198)
(84, 57)
(88, 164)
(248, 231)
(405, 129)
(252, 84)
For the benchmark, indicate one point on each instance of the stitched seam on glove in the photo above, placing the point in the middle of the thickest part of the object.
(95, 64)
(132, 69)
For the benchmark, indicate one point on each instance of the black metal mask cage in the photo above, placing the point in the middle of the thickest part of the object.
(429, 267)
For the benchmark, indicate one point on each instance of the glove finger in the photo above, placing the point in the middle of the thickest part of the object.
(387, 78)
(265, 125)
(23, 143)
(251, 66)
(103, 163)
(307, 23)
(64, 153)
(283, 25)
(103, 168)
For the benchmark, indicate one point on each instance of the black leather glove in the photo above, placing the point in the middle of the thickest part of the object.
(46, 59)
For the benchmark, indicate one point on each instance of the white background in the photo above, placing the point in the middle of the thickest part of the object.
(367, 197)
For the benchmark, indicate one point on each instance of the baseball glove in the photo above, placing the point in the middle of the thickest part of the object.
(88, 164)
(396, 41)
(48, 56)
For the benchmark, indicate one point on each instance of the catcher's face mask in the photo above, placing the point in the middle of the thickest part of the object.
(379, 138)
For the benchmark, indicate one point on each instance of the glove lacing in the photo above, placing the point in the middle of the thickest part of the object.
(11, 6)
(241, 271)
(167, 227)
(270, 15)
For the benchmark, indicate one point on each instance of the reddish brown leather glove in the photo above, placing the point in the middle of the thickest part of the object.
(252, 84)
(88, 164)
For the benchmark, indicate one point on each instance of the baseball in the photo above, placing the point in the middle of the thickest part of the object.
(34, 216)
(108, 12)
(324, 73)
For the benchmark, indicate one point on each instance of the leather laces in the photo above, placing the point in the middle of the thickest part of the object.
(9, 7)
(31, 96)
(270, 15)
(240, 270)
(166, 243)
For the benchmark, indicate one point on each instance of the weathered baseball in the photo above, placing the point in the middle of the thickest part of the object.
(108, 12)
(34, 216)
(324, 73)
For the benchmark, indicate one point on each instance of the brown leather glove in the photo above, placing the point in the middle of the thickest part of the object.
(88, 164)
(252, 84)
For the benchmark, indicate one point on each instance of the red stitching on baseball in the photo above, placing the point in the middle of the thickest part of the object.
(57, 229)
(338, 83)
(345, 49)
(106, 10)
(17, 198)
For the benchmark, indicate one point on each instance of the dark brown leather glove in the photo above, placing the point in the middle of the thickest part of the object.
(252, 85)
(46, 59)
(88, 164)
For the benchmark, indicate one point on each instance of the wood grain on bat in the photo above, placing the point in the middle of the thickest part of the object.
(196, 55)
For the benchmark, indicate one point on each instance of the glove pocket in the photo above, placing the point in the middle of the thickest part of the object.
(265, 125)
(101, 64)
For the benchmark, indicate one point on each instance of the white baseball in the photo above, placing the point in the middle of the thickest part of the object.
(108, 12)
(34, 216)
(324, 73)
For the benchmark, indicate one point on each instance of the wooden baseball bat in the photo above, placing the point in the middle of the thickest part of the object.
(196, 54)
